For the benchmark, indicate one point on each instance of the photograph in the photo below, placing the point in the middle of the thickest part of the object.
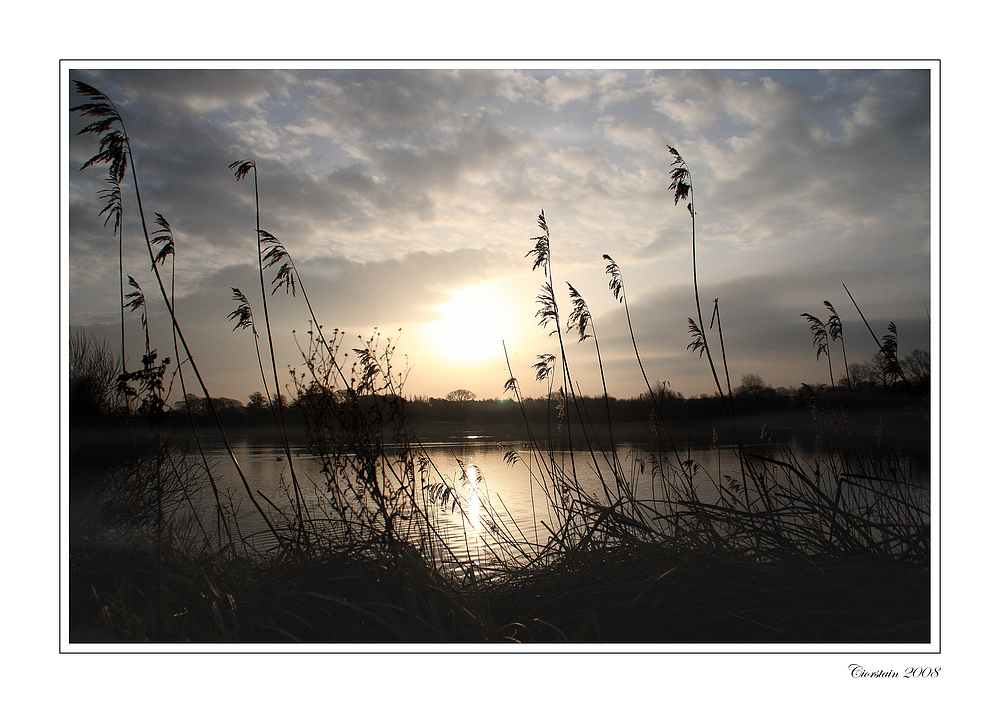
(498, 356)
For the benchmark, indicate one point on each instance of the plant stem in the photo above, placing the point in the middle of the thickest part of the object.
(187, 350)
(881, 346)
(274, 368)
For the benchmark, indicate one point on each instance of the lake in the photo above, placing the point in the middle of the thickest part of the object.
(480, 499)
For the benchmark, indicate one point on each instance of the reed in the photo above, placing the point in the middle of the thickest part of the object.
(164, 238)
(241, 169)
(548, 313)
(116, 151)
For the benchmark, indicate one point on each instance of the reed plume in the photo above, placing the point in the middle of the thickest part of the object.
(549, 310)
(835, 327)
(113, 208)
(240, 170)
(581, 320)
(116, 151)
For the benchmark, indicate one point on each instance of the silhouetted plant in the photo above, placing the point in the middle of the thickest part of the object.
(135, 301)
(697, 343)
(164, 237)
(549, 312)
(243, 317)
(821, 341)
(683, 188)
(581, 320)
(150, 377)
(115, 150)
(543, 367)
(241, 169)
(888, 360)
(617, 285)
(113, 208)
(150, 391)
(836, 330)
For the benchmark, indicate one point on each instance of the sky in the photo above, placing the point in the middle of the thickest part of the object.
(408, 196)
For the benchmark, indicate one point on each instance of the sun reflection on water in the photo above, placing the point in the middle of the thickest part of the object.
(472, 477)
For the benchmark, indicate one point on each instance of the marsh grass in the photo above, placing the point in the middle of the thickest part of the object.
(834, 548)
(116, 152)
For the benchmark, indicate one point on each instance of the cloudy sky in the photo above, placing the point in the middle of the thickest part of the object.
(408, 197)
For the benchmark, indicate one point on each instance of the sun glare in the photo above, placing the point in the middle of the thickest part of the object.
(472, 326)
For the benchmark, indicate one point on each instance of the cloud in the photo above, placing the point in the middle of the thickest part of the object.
(560, 89)
(201, 91)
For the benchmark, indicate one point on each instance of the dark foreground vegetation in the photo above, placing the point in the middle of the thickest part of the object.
(627, 593)
(833, 549)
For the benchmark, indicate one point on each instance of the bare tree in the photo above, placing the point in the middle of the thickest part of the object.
(751, 385)
(94, 369)
(917, 367)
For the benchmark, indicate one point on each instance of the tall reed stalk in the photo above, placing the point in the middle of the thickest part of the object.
(887, 346)
(113, 208)
(549, 312)
(617, 286)
(164, 237)
(581, 320)
(241, 169)
(683, 188)
(116, 150)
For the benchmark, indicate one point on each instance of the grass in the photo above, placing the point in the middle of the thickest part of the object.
(617, 594)
(828, 551)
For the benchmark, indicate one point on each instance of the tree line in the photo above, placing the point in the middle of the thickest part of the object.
(97, 399)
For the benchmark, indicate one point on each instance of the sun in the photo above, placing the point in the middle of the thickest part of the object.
(472, 325)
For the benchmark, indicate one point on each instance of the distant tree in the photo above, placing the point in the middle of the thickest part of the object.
(93, 379)
(256, 401)
(228, 408)
(751, 385)
(461, 397)
(785, 392)
(917, 367)
(196, 404)
(862, 376)
(317, 399)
